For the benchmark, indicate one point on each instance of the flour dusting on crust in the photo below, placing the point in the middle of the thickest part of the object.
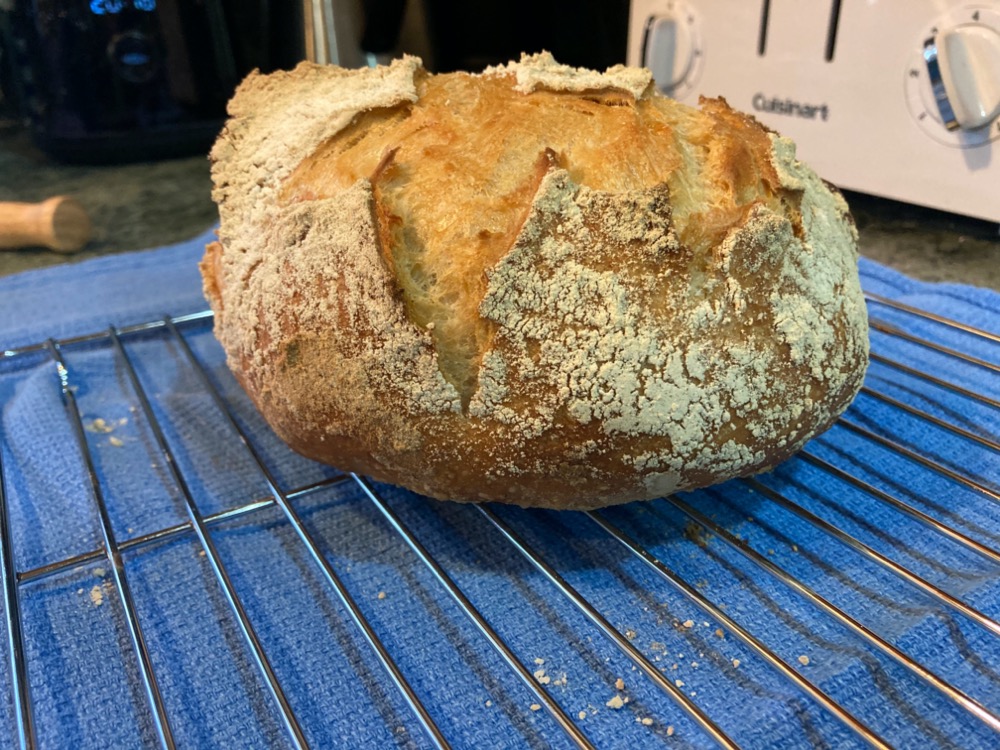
(542, 71)
(277, 120)
(674, 393)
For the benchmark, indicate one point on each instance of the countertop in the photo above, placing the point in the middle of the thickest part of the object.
(144, 205)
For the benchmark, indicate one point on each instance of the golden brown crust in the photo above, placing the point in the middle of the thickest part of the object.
(539, 285)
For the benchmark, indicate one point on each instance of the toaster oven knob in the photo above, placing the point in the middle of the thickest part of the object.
(669, 49)
(963, 63)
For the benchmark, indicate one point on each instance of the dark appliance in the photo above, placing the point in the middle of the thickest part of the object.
(122, 80)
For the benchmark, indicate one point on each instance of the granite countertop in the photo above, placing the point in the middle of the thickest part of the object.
(139, 206)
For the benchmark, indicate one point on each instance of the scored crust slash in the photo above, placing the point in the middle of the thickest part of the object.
(540, 285)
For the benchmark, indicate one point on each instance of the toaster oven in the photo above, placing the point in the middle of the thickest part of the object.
(896, 98)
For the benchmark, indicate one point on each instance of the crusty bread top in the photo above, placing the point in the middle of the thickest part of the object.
(655, 273)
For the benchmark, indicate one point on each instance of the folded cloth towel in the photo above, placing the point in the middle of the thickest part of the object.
(85, 680)
(79, 298)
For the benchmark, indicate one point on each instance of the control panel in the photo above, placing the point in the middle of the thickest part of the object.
(899, 98)
(953, 79)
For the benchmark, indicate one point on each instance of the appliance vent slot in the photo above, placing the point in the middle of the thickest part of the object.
(831, 31)
(765, 11)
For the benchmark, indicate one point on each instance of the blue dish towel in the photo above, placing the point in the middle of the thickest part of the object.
(86, 686)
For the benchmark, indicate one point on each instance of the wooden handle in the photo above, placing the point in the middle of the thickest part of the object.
(59, 223)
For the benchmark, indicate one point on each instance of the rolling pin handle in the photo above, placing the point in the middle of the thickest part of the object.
(59, 223)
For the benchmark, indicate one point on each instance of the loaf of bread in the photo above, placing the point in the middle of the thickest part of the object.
(539, 285)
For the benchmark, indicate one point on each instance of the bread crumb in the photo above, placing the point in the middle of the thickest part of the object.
(803, 660)
(689, 623)
(97, 425)
(103, 427)
(99, 572)
(582, 715)
(79, 591)
(619, 684)
(542, 677)
(720, 633)
(647, 722)
(670, 731)
(96, 596)
(489, 703)
(615, 702)
(736, 663)
(117, 442)
(630, 634)
(679, 683)
(535, 707)
(539, 661)
(381, 595)
(696, 533)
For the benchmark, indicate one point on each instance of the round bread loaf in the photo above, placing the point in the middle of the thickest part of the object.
(539, 285)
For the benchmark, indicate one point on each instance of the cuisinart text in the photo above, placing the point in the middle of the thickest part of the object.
(790, 107)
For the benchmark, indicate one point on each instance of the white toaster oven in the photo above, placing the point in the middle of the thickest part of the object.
(897, 98)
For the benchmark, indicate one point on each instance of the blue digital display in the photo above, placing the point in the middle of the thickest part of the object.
(113, 7)
(135, 58)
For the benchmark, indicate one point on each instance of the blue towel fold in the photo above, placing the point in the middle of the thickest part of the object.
(86, 682)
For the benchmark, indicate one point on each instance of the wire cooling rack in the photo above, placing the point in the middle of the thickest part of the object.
(174, 576)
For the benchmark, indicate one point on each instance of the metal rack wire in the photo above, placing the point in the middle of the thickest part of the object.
(659, 537)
